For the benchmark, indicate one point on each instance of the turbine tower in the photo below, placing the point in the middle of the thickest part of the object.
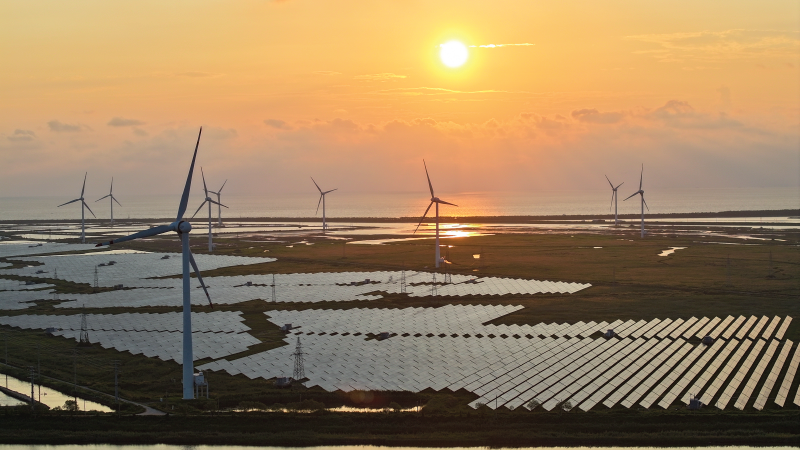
(112, 199)
(219, 204)
(437, 200)
(641, 194)
(322, 200)
(83, 213)
(614, 199)
(182, 228)
(209, 201)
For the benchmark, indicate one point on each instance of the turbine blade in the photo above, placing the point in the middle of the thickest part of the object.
(109, 195)
(609, 182)
(641, 175)
(73, 201)
(446, 203)
(188, 187)
(141, 234)
(423, 218)
(217, 203)
(645, 203)
(220, 189)
(199, 208)
(112, 186)
(115, 199)
(204, 181)
(315, 184)
(200, 278)
(619, 185)
(319, 203)
(90, 209)
(631, 195)
(84, 183)
(613, 193)
(328, 192)
(430, 186)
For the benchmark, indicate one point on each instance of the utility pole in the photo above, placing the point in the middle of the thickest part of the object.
(273, 288)
(39, 371)
(75, 375)
(96, 283)
(33, 402)
(403, 280)
(116, 384)
(434, 291)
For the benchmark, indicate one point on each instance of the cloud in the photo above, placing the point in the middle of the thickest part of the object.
(120, 122)
(22, 136)
(379, 77)
(278, 124)
(502, 45)
(197, 74)
(61, 127)
(139, 132)
(716, 46)
(594, 116)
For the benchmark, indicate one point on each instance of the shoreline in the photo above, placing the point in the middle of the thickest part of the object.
(792, 213)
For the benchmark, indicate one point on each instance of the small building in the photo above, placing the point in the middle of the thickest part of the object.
(283, 382)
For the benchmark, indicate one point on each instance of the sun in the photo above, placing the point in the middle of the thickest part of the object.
(453, 53)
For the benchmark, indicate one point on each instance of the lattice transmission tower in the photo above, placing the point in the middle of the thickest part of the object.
(84, 338)
(299, 370)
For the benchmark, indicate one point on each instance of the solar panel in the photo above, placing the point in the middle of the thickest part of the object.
(771, 328)
(734, 326)
(633, 373)
(691, 374)
(761, 400)
(672, 376)
(706, 329)
(723, 374)
(672, 355)
(754, 332)
(695, 328)
(746, 327)
(683, 328)
(783, 391)
(783, 328)
(738, 378)
(721, 327)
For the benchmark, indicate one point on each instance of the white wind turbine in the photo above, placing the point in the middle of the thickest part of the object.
(182, 228)
(641, 193)
(437, 200)
(209, 201)
(83, 205)
(322, 200)
(112, 200)
(219, 203)
(614, 199)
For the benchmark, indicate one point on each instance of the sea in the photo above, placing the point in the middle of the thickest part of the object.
(343, 204)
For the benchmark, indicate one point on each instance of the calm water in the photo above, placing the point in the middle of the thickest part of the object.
(342, 447)
(46, 395)
(344, 204)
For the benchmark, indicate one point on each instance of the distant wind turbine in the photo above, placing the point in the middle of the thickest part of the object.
(83, 205)
(209, 201)
(112, 200)
(641, 193)
(219, 203)
(322, 200)
(182, 228)
(436, 200)
(614, 199)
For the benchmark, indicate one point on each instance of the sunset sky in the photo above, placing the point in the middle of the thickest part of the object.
(354, 93)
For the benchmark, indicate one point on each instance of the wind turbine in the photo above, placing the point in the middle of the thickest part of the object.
(437, 200)
(209, 201)
(322, 200)
(83, 205)
(614, 199)
(219, 204)
(641, 193)
(182, 228)
(112, 200)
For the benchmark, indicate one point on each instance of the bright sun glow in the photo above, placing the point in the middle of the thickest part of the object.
(453, 53)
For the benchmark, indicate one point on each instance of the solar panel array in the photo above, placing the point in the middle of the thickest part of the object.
(448, 348)
(214, 335)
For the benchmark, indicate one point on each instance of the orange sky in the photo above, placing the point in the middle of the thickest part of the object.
(703, 93)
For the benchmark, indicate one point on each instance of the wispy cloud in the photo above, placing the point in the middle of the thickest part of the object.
(525, 44)
(22, 136)
(61, 127)
(120, 122)
(387, 76)
(277, 124)
(713, 46)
